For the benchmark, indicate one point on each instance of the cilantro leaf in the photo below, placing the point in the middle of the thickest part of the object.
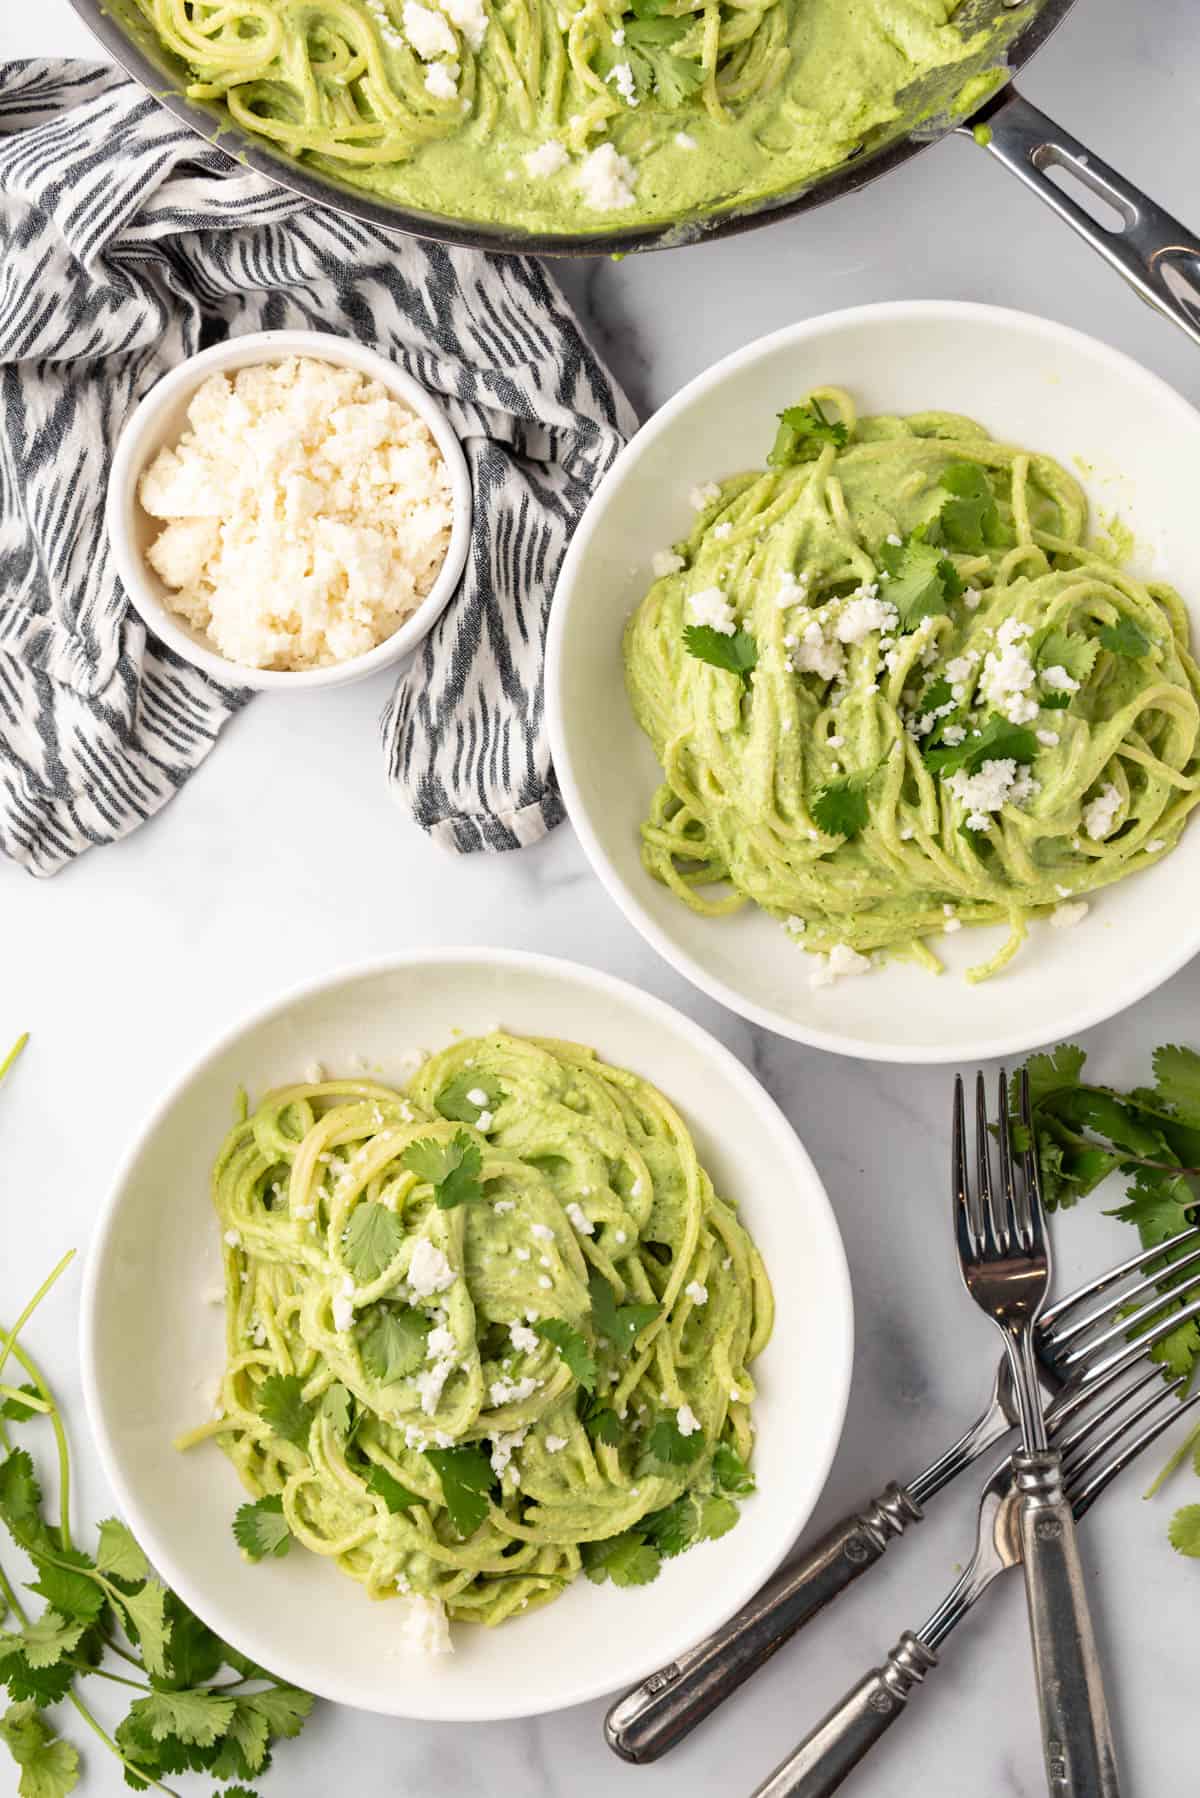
(802, 431)
(736, 651)
(621, 1324)
(998, 741)
(372, 1240)
(922, 580)
(1183, 1531)
(336, 1406)
(598, 1419)
(36, 1685)
(238, 1792)
(451, 1168)
(1070, 651)
(118, 1552)
(49, 1766)
(1177, 1077)
(197, 1717)
(21, 1503)
(730, 1471)
(571, 1346)
(627, 1560)
(467, 1480)
(280, 1402)
(840, 809)
(13, 1411)
(392, 1341)
(49, 1637)
(395, 1496)
(67, 1584)
(969, 520)
(453, 1101)
(668, 1444)
(146, 1622)
(676, 78)
(1125, 639)
(284, 1709)
(261, 1528)
(195, 1653)
(694, 1517)
(1049, 1071)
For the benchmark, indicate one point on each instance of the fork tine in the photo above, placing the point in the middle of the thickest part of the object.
(1089, 1381)
(1084, 1497)
(1128, 1325)
(983, 1168)
(963, 1231)
(1166, 1282)
(1032, 1169)
(1068, 1440)
(1138, 1263)
(1013, 1234)
(1088, 1451)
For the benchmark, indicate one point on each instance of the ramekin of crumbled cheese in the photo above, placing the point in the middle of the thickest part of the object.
(289, 509)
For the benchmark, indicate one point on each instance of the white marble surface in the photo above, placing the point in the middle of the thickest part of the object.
(125, 965)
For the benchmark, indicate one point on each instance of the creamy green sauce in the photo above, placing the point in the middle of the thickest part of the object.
(949, 711)
(487, 1319)
(692, 107)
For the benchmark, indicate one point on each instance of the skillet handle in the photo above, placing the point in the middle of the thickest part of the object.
(1159, 257)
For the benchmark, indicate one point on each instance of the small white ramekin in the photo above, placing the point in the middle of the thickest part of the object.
(160, 420)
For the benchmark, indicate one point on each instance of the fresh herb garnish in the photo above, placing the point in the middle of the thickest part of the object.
(695, 1517)
(1125, 639)
(104, 1604)
(467, 1480)
(626, 1560)
(620, 1323)
(802, 431)
(735, 651)
(840, 809)
(1068, 650)
(667, 1444)
(451, 1168)
(396, 1497)
(922, 581)
(730, 1471)
(261, 1529)
(998, 741)
(598, 1419)
(392, 1341)
(969, 520)
(571, 1346)
(281, 1403)
(372, 1239)
(455, 1103)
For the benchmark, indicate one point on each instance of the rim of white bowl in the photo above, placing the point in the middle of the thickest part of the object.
(1081, 1017)
(131, 454)
(820, 1455)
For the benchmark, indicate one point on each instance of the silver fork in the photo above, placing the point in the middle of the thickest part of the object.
(1079, 1339)
(1004, 1260)
(1094, 1452)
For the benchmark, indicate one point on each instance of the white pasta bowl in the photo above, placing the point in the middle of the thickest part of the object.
(1135, 445)
(153, 1344)
(160, 419)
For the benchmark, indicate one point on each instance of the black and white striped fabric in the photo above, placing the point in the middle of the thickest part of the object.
(126, 243)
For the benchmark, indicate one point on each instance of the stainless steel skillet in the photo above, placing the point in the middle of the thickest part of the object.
(1152, 250)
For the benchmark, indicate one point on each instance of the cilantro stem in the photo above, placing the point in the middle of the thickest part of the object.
(60, 1435)
(1190, 1442)
(11, 1057)
(132, 1766)
(25, 1398)
(90, 1672)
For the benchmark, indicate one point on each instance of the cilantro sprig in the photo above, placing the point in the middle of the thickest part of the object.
(921, 582)
(455, 1103)
(621, 1324)
(1151, 1136)
(969, 520)
(183, 1716)
(802, 432)
(840, 809)
(468, 1481)
(572, 1347)
(451, 1168)
(998, 741)
(736, 651)
(1124, 638)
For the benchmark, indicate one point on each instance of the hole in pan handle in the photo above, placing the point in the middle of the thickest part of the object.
(1159, 257)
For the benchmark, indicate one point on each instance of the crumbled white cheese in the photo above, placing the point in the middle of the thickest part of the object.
(685, 141)
(700, 498)
(512, 1392)
(546, 160)
(1047, 738)
(502, 1449)
(1153, 847)
(503, 1205)
(430, 1381)
(606, 179)
(618, 35)
(233, 1238)
(971, 598)
(429, 1270)
(484, 1122)
(440, 1342)
(1009, 673)
(687, 1421)
(1100, 816)
(441, 80)
(665, 562)
(343, 1312)
(579, 1219)
(325, 505)
(1059, 680)
(542, 1232)
(555, 1443)
(478, 1097)
(711, 607)
(841, 960)
(813, 653)
(545, 1282)
(1063, 917)
(424, 1628)
(998, 783)
(621, 77)
(696, 1292)
(471, 17)
(524, 1340)
(792, 592)
(864, 613)
(427, 31)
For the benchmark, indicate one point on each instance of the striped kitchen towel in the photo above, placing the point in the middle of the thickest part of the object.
(126, 243)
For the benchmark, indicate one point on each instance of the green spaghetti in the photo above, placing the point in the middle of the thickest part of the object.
(486, 1332)
(895, 692)
(531, 112)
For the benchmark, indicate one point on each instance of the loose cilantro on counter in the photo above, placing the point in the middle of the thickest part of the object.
(104, 1610)
(1151, 1136)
